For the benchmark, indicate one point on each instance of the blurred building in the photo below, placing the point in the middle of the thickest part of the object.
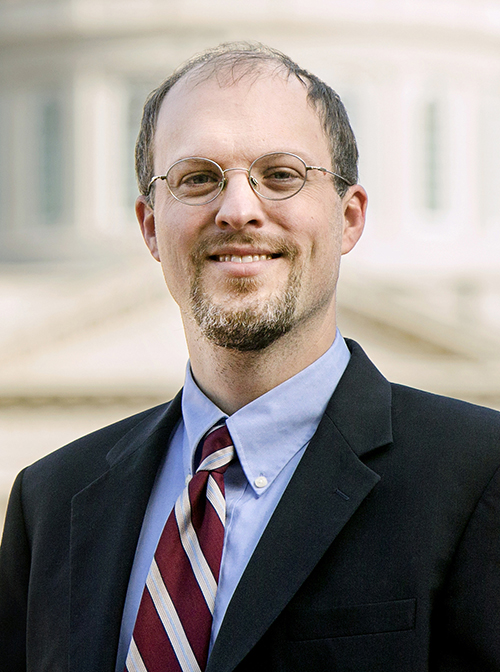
(84, 317)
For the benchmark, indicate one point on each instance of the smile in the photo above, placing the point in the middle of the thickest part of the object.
(244, 259)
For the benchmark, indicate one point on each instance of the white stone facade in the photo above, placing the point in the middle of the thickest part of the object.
(84, 319)
(421, 80)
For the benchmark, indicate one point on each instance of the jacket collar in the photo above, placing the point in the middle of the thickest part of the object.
(361, 408)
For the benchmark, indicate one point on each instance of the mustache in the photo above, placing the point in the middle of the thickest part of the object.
(217, 243)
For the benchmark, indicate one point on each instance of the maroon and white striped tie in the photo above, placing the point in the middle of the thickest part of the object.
(174, 622)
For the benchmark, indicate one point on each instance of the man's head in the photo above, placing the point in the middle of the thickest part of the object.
(260, 259)
(230, 61)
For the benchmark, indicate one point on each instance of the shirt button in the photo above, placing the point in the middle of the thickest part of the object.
(260, 482)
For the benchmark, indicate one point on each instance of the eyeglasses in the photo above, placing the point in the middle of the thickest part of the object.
(275, 177)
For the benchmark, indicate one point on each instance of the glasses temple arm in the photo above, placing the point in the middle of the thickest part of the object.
(325, 170)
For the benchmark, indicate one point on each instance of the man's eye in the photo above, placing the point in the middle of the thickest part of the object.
(279, 174)
(195, 179)
(281, 178)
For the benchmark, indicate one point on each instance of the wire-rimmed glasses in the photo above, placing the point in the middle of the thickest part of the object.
(275, 176)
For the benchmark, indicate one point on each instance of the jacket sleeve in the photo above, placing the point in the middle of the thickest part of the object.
(14, 577)
(470, 640)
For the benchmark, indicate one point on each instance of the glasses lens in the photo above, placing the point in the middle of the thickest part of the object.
(195, 181)
(278, 176)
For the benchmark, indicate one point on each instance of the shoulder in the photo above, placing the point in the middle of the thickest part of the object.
(451, 444)
(419, 424)
(445, 415)
(86, 458)
(410, 406)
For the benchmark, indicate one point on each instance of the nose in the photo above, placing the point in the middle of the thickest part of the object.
(239, 205)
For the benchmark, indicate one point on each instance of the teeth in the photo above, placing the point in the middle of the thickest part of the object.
(246, 259)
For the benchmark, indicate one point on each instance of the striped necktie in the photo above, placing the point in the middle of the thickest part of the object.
(174, 622)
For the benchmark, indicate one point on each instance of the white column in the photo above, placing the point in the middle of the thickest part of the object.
(99, 130)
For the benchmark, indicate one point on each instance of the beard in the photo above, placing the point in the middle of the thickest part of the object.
(259, 324)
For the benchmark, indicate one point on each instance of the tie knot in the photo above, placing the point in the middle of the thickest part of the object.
(217, 451)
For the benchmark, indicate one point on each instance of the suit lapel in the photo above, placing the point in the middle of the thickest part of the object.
(327, 488)
(106, 522)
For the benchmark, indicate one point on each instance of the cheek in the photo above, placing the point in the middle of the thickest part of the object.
(323, 255)
(323, 237)
(175, 264)
(175, 234)
(173, 259)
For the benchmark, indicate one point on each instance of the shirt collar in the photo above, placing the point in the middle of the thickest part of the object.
(268, 432)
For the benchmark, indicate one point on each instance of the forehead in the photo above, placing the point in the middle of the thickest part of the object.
(256, 114)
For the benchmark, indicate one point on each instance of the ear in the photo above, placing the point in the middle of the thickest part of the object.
(354, 207)
(146, 218)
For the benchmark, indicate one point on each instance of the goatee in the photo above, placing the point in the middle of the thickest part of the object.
(256, 326)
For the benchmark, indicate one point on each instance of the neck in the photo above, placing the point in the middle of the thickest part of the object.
(232, 379)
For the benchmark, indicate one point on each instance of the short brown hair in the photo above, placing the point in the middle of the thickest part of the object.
(235, 60)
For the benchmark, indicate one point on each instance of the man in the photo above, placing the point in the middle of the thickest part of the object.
(362, 519)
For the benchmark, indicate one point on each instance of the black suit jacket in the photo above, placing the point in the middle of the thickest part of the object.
(383, 554)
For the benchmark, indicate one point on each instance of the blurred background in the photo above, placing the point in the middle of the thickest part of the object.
(88, 333)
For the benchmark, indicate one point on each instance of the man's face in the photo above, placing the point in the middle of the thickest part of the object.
(243, 269)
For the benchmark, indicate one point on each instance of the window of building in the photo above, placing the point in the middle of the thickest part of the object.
(432, 146)
(50, 159)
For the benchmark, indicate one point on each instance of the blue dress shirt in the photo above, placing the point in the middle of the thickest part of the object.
(270, 435)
